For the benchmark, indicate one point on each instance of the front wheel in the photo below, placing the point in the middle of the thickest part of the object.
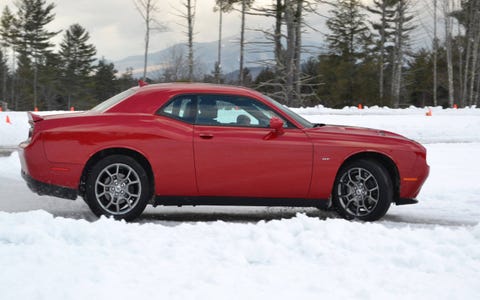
(363, 190)
(117, 186)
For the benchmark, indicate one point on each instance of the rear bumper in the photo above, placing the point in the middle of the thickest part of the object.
(42, 188)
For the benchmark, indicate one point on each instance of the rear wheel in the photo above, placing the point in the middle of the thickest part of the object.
(363, 190)
(117, 186)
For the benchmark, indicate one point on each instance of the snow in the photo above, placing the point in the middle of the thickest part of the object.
(55, 249)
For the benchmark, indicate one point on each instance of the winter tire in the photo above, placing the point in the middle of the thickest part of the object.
(117, 186)
(362, 190)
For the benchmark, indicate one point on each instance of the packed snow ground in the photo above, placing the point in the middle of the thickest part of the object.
(56, 249)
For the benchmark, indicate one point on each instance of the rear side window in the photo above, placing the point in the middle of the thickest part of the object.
(183, 108)
(105, 105)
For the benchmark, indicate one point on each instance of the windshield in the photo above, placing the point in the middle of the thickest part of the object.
(114, 100)
(291, 114)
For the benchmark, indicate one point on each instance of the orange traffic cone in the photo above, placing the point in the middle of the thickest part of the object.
(7, 119)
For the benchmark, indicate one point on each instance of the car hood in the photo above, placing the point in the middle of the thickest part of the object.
(345, 132)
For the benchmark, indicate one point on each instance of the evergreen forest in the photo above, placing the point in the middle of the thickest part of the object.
(370, 56)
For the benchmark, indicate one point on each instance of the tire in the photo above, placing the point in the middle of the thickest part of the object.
(117, 186)
(363, 190)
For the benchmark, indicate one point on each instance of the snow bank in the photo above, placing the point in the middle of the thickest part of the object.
(10, 166)
(42, 257)
(444, 126)
(11, 134)
(426, 251)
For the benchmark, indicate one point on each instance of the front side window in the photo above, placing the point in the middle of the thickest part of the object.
(222, 110)
(290, 113)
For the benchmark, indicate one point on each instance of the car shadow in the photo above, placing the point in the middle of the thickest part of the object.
(172, 216)
(227, 214)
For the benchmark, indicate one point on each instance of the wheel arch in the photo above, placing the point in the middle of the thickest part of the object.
(140, 158)
(381, 159)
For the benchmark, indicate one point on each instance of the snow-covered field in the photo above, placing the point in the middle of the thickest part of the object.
(56, 249)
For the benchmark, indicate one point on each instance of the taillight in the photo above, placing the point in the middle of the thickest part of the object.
(30, 130)
(32, 119)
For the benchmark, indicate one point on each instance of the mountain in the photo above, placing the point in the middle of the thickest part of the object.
(257, 52)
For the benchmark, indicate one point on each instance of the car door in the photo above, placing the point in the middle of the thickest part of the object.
(237, 155)
(172, 155)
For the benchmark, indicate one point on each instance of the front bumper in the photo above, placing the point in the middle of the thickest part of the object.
(42, 188)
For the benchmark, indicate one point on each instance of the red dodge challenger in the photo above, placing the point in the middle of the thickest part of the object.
(201, 144)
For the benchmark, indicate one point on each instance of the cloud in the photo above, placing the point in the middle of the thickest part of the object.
(117, 30)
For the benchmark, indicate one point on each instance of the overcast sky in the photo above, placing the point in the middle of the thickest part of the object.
(117, 29)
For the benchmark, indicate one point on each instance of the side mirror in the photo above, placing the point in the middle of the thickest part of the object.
(277, 124)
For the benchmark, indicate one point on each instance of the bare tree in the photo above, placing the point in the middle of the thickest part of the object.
(148, 9)
(402, 27)
(475, 28)
(469, 15)
(190, 20)
(293, 22)
(175, 65)
(289, 83)
(221, 6)
(447, 8)
(435, 52)
(242, 42)
(275, 10)
(383, 9)
(187, 13)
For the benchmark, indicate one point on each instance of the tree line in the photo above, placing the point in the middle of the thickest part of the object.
(35, 76)
(369, 56)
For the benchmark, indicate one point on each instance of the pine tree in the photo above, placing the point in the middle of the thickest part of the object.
(8, 34)
(50, 87)
(420, 77)
(126, 81)
(104, 81)
(33, 41)
(347, 37)
(77, 56)
(347, 28)
(383, 10)
(3, 78)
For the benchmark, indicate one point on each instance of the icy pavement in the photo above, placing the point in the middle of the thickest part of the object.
(57, 249)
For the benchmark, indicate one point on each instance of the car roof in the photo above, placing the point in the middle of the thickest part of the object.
(148, 98)
(194, 87)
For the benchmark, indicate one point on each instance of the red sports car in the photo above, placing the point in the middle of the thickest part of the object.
(201, 144)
